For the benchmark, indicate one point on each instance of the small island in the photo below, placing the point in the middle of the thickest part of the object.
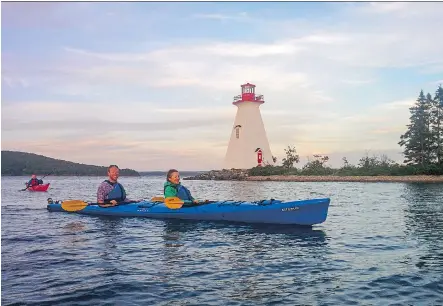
(16, 163)
(422, 145)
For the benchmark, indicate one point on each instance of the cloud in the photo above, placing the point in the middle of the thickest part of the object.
(143, 155)
(240, 16)
(132, 116)
(358, 82)
(43, 14)
(295, 61)
(395, 105)
(107, 126)
(380, 7)
(251, 49)
(15, 82)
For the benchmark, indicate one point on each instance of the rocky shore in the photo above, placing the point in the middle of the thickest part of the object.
(242, 175)
(221, 175)
(330, 178)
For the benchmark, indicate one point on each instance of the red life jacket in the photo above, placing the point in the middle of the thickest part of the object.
(33, 182)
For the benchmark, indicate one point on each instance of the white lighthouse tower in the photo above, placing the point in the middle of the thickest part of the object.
(248, 146)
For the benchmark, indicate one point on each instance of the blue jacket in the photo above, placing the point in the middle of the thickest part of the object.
(118, 193)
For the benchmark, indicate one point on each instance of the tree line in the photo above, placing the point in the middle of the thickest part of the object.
(422, 145)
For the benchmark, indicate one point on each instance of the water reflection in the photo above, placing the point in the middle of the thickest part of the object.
(72, 232)
(424, 210)
(173, 253)
(215, 250)
(109, 232)
(173, 228)
(424, 220)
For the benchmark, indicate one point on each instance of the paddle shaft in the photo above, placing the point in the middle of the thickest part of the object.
(111, 205)
(48, 174)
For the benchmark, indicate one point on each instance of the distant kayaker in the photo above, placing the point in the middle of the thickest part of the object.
(173, 188)
(110, 191)
(34, 181)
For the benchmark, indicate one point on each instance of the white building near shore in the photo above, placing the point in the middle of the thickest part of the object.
(248, 146)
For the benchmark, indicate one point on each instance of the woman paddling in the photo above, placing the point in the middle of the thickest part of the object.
(173, 188)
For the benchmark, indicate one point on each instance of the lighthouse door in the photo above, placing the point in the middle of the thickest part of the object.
(259, 157)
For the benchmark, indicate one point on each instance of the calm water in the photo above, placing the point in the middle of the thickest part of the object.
(382, 244)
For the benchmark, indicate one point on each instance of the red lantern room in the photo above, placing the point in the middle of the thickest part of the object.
(248, 95)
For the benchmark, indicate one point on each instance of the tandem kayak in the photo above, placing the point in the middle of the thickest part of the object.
(301, 212)
(39, 187)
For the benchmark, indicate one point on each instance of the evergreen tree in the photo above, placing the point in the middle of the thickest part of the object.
(417, 138)
(431, 136)
(437, 124)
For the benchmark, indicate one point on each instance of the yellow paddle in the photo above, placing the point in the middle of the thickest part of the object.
(173, 203)
(74, 205)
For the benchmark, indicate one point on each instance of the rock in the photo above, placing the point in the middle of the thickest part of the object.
(221, 175)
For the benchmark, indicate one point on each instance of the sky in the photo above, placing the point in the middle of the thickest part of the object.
(150, 85)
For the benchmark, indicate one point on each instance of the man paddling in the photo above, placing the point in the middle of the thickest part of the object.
(34, 181)
(110, 191)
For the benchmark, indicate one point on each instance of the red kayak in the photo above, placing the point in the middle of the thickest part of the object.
(39, 187)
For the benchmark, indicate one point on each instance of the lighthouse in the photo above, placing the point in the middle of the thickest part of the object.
(248, 146)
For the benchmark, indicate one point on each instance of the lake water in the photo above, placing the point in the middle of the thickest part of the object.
(382, 244)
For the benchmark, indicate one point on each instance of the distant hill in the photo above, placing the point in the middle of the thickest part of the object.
(22, 163)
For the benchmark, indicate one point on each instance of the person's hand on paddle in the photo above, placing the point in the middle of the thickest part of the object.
(195, 201)
(113, 202)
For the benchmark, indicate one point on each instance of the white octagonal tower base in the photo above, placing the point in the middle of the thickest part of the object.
(248, 145)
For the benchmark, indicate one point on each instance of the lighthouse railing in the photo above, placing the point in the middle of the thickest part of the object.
(237, 98)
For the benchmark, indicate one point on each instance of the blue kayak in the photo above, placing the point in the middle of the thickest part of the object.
(302, 212)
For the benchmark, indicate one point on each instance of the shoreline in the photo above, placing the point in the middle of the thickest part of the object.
(242, 175)
(319, 178)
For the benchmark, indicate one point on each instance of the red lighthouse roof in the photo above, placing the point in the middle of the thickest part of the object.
(248, 95)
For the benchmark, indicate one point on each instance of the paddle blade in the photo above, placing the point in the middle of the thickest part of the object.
(74, 205)
(158, 199)
(173, 203)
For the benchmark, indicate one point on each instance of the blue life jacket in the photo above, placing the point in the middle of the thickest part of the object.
(118, 193)
(183, 193)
